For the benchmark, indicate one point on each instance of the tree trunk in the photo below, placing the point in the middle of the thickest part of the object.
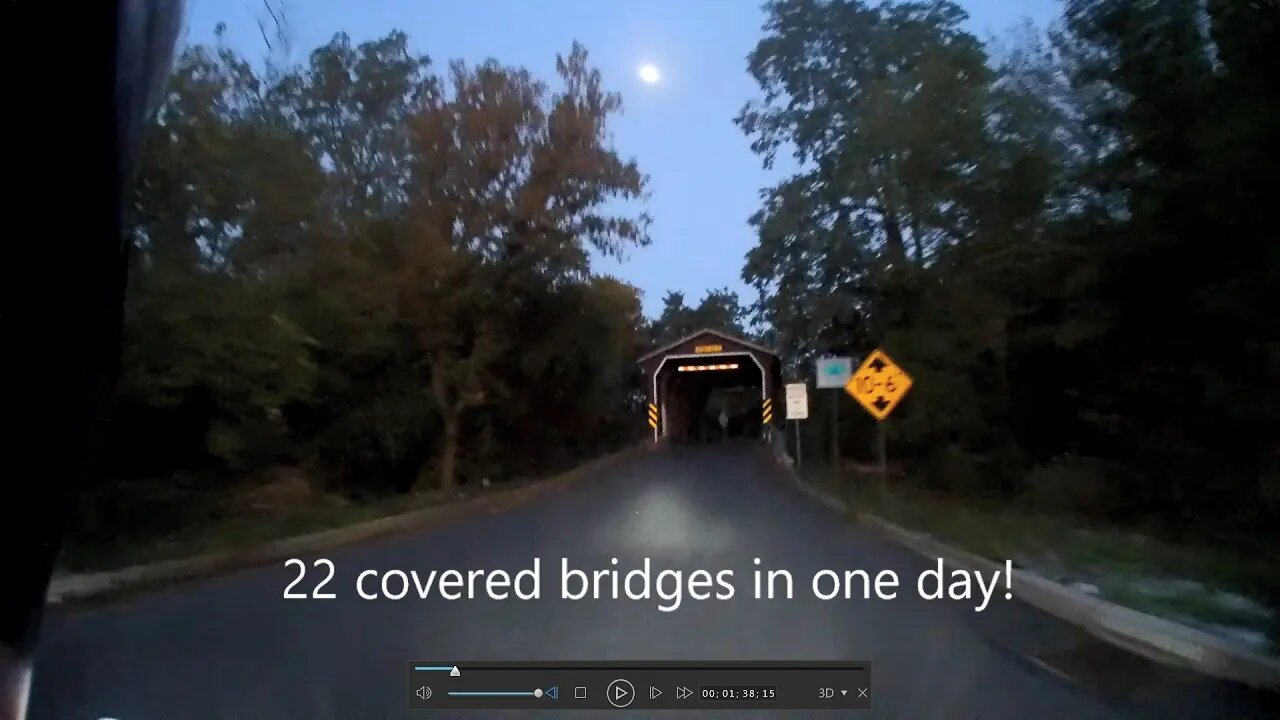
(449, 453)
(894, 242)
(916, 242)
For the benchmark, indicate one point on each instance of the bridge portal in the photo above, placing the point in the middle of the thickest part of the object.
(692, 381)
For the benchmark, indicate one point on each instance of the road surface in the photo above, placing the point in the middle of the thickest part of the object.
(232, 647)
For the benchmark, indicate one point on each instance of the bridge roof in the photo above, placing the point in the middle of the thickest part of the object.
(742, 345)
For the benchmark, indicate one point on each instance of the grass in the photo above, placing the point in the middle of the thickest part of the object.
(220, 534)
(1196, 605)
(220, 530)
(1120, 563)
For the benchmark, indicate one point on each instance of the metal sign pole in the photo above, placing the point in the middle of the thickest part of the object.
(835, 432)
(798, 454)
(883, 458)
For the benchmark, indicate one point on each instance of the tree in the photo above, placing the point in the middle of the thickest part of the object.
(1173, 82)
(883, 107)
(509, 191)
(353, 103)
(203, 328)
(719, 310)
(675, 321)
(1027, 232)
(320, 248)
(573, 361)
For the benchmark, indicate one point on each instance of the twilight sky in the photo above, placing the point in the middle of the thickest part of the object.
(704, 179)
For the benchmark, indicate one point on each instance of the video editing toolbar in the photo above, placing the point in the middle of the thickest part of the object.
(459, 685)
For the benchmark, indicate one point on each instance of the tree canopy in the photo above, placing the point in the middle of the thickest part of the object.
(377, 272)
(719, 309)
(1063, 239)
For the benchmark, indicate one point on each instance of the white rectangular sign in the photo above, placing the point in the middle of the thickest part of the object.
(797, 401)
(834, 372)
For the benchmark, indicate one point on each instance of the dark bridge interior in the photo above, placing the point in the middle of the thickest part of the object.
(697, 390)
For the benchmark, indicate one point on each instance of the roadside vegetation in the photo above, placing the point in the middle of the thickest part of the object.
(362, 285)
(1198, 583)
(1066, 237)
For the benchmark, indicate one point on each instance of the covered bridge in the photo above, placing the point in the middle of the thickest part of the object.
(693, 380)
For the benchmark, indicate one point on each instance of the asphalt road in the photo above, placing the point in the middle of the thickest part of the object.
(232, 647)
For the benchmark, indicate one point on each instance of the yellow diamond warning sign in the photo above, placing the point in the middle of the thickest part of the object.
(878, 385)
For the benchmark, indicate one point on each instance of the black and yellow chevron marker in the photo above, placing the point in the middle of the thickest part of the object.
(653, 416)
(766, 411)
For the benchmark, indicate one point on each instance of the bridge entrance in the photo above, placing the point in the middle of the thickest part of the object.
(711, 386)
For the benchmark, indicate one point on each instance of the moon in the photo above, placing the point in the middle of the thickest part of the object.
(649, 74)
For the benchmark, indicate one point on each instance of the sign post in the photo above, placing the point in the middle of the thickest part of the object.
(797, 410)
(833, 373)
(879, 386)
(799, 463)
(882, 458)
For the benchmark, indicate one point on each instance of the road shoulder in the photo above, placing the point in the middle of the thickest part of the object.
(77, 589)
(1152, 637)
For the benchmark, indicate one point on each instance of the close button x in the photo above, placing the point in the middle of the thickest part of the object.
(862, 692)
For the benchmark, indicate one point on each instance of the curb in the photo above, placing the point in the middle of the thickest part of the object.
(1152, 637)
(96, 585)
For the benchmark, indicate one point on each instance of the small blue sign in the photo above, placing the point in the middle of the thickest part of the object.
(834, 372)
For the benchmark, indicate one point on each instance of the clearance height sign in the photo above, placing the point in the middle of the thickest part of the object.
(879, 384)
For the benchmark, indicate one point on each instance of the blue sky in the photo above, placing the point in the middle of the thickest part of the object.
(704, 179)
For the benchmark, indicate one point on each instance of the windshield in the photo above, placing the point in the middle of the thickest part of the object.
(929, 346)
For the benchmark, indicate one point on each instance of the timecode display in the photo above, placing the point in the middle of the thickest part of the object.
(742, 693)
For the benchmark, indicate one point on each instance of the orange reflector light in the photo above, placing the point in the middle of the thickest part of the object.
(697, 368)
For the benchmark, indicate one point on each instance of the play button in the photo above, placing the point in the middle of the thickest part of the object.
(620, 693)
